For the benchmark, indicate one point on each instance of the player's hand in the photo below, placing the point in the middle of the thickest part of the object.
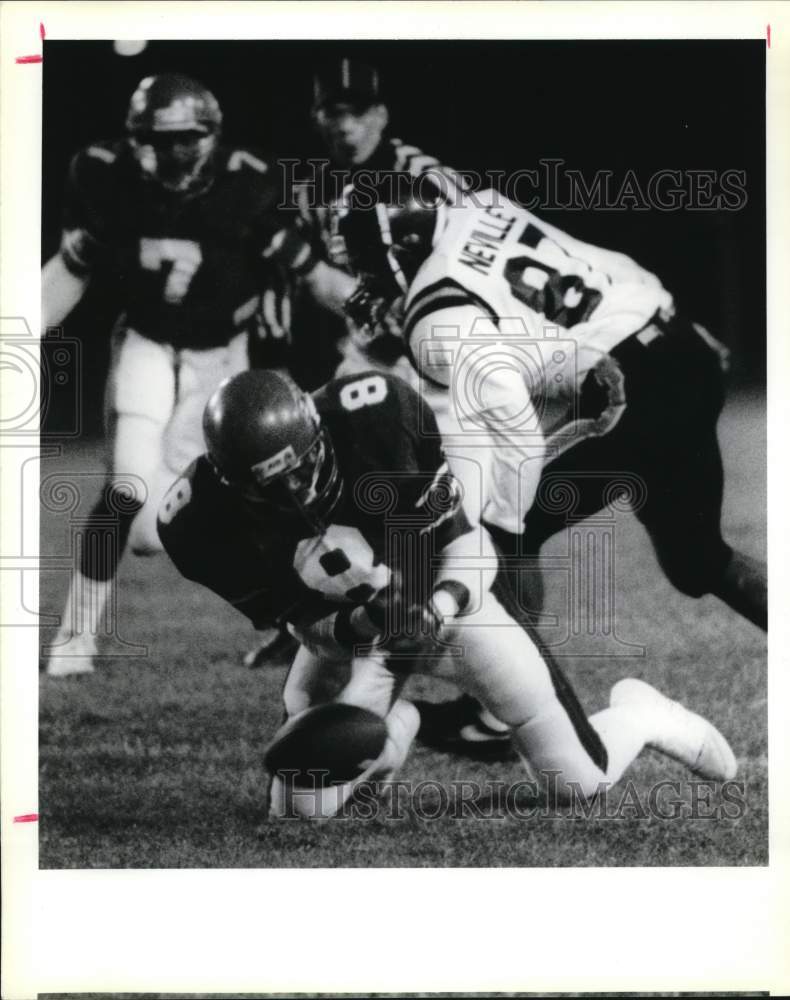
(374, 312)
(402, 626)
(420, 626)
(405, 626)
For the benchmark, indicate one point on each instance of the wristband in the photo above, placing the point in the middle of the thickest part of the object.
(348, 632)
(458, 591)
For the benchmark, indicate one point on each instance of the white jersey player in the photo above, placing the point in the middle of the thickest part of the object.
(511, 315)
(542, 342)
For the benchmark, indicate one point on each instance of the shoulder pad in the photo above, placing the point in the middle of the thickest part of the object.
(101, 153)
(97, 162)
(243, 159)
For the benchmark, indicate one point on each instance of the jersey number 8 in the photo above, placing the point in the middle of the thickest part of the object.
(363, 392)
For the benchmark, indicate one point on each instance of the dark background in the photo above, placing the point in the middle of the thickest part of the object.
(492, 105)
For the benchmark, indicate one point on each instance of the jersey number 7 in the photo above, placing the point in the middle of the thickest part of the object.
(184, 257)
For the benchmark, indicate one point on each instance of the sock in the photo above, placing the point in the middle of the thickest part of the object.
(83, 616)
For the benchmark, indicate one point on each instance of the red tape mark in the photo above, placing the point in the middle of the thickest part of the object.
(34, 59)
(26, 818)
(768, 35)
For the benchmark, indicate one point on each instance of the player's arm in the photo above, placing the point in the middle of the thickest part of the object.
(329, 286)
(207, 547)
(66, 276)
(334, 632)
(61, 290)
(292, 248)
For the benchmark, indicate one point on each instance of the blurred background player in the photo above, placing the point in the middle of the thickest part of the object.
(336, 515)
(352, 121)
(188, 230)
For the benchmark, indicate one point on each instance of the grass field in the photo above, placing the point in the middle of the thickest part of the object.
(155, 761)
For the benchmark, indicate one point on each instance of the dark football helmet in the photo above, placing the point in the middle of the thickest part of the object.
(265, 440)
(174, 124)
(389, 238)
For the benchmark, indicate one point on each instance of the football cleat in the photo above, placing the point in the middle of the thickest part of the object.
(485, 728)
(678, 732)
(463, 725)
(72, 654)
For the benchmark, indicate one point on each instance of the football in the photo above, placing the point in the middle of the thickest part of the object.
(326, 745)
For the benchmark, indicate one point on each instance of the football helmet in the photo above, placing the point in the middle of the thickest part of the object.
(174, 124)
(393, 237)
(265, 440)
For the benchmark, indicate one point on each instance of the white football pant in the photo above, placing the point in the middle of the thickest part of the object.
(501, 667)
(154, 406)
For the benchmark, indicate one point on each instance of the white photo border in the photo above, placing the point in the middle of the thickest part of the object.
(422, 929)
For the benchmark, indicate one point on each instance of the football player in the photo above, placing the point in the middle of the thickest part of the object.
(336, 515)
(565, 357)
(352, 121)
(189, 231)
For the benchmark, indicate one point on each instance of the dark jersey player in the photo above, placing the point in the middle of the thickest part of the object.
(189, 232)
(352, 121)
(336, 514)
(330, 533)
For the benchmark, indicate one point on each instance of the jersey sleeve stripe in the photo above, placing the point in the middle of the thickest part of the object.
(442, 294)
(443, 300)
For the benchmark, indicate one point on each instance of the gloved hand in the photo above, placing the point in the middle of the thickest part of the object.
(393, 623)
(376, 317)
